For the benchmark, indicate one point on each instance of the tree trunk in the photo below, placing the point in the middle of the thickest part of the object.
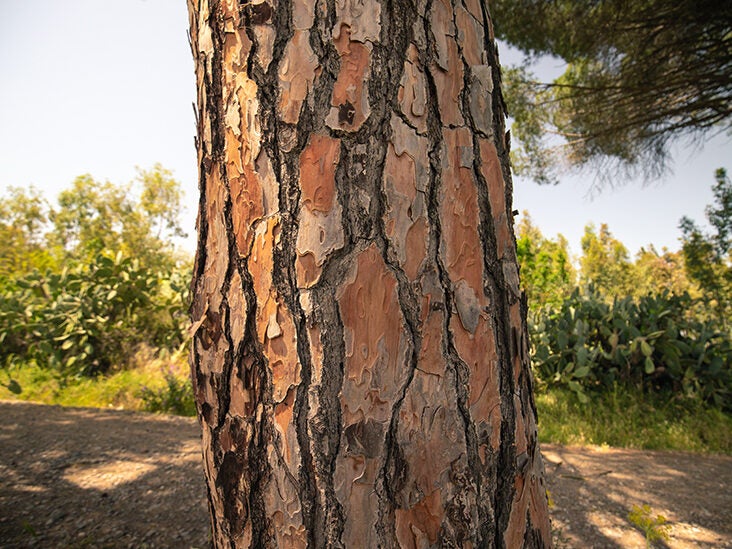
(360, 357)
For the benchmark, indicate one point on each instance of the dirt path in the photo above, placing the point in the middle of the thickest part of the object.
(73, 477)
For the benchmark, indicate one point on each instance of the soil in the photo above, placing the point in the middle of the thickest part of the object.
(79, 477)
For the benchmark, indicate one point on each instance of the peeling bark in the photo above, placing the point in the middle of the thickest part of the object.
(360, 357)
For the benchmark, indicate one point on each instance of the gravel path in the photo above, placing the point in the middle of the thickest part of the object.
(79, 477)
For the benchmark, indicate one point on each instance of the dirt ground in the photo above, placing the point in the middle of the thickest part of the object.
(73, 477)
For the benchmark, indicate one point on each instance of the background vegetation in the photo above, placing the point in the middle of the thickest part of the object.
(626, 351)
(637, 351)
(92, 289)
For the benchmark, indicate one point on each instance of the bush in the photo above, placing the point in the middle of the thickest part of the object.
(655, 343)
(85, 320)
(175, 398)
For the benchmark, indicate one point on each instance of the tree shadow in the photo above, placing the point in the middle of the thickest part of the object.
(594, 489)
(75, 477)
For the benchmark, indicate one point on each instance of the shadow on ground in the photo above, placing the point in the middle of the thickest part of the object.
(74, 477)
(594, 489)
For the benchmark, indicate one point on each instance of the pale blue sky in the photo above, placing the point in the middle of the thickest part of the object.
(101, 87)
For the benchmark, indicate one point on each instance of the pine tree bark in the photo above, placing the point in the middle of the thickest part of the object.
(360, 354)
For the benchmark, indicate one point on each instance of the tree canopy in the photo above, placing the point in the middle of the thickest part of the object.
(639, 75)
(708, 256)
(137, 219)
(546, 267)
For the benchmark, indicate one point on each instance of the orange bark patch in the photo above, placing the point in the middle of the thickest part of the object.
(399, 173)
(303, 13)
(407, 235)
(416, 246)
(355, 479)
(431, 360)
(216, 240)
(282, 503)
(247, 207)
(405, 173)
(459, 211)
(448, 75)
(372, 320)
(490, 167)
(281, 350)
(261, 265)
(283, 413)
(475, 9)
(418, 526)
(242, 147)
(317, 172)
(470, 35)
(362, 17)
(240, 396)
(275, 326)
(478, 351)
(350, 93)
(296, 74)
(431, 436)
(237, 309)
(307, 270)
(413, 91)
(236, 48)
(319, 228)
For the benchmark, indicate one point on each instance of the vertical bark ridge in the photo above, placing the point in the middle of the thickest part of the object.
(527, 465)
(458, 370)
(483, 471)
(486, 474)
(283, 257)
(230, 475)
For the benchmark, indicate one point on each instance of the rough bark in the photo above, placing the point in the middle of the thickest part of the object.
(360, 356)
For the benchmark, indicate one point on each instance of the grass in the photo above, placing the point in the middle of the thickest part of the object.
(619, 418)
(151, 384)
(631, 419)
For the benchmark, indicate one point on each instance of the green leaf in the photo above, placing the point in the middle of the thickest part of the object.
(646, 349)
(649, 366)
(576, 387)
(582, 372)
(14, 387)
(582, 355)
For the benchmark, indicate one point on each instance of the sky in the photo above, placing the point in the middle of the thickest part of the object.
(102, 87)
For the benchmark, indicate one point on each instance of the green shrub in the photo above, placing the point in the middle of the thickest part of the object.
(84, 320)
(655, 343)
(176, 397)
(149, 375)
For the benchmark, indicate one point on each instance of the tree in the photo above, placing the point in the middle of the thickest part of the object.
(605, 263)
(655, 273)
(138, 219)
(708, 257)
(360, 356)
(23, 217)
(639, 76)
(547, 275)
